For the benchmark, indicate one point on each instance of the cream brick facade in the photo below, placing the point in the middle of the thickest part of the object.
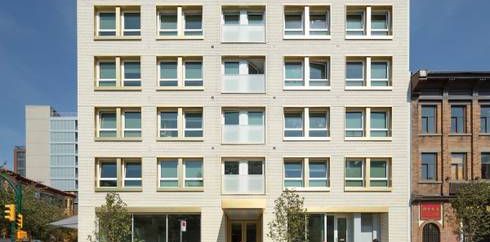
(213, 222)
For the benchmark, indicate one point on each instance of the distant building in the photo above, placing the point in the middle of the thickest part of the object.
(51, 148)
(20, 160)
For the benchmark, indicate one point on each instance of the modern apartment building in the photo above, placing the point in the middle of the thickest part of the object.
(20, 160)
(450, 146)
(205, 111)
(51, 148)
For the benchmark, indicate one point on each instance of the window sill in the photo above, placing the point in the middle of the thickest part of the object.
(461, 134)
(116, 38)
(99, 139)
(430, 182)
(484, 134)
(201, 37)
(366, 37)
(368, 189)
(180, 89)
(308, 189)
(224, 92)
(101, 89)
(307, 88)
(307, 138)
(430, 135)
(180, 189)
(363, 88)
(261, 143)
(368, 138)
(172, 139)
(243, 42)
(303, 37)
(118, 189)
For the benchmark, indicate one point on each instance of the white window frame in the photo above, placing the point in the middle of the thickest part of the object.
(363, 79)
(326, 178)
(295, 29)
(184, 118)
(161, 178)
(364, 23)
(388, 76)
(367, 29)
(387, 172)
(191, 13)
(184, 176)
(294, 129)
(311, 80)
(366, 123)
(305, 114)
(99, 175)
(363, 173)
(367, 73)
(327, 21)
(124, 178)
(305, 62)
(123, 17)
(363, 119)
(302, 178)
(160, 79)
(99, 30)
(99, 123)
(387, 13)
(387, 120)
(123, 72)
(159, 23)
(294, 79)
(123, 120)
(160, 129)
(305, 20)
(184, 62)
(99, 72)
(327, 119)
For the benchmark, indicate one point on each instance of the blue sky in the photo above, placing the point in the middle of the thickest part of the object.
(38, 52)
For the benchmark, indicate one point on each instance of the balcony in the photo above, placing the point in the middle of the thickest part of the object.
(243, 33)
(246, 83)
(243, 184)
(243, 134)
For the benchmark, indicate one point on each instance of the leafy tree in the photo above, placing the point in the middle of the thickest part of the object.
(290, 219)
(472, 210)
(113, 221)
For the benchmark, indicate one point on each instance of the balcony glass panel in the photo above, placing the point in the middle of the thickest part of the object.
(243, 184)
(243, 134)
(243, 33)
(246, 83)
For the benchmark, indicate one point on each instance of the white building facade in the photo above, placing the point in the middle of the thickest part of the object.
(205, 111)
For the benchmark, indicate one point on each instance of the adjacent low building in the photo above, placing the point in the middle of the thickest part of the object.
(450, 146)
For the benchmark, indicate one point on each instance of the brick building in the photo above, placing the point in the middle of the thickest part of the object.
(450, 146)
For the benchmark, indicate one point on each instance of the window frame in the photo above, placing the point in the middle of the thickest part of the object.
(181, 123)
(99, 174)
(302, 29)
(120, 174)
(363, 123)
(366, 123)
(367, 79)
(387, 13)
(98, 25)
(123, 27)
(363, 14)
(306, 79)
(388, 72)
(366, 175)
(180, 79)
(160, 175)
(305, 122)
(241, 123)
(124, 178)
(363, 79)
(387, 121)
(424, 165)
(305, 32)
(184, 70)
(356, 179)
(99, 72)
(426, 119)
(123, 73)
(487, 164)
(123, 123)
(181, 12)
(484, 128)
(159, 23)
(387, 172)
(185, 129)
(456, 118)
(99, 124)
(368, 32)
(181, 175)
(184, 21)
(185, 179)
(305, 177)
(119, 77)
(119, 111)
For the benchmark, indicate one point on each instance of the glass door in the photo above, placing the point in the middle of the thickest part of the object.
(242, 231)
(341, 229)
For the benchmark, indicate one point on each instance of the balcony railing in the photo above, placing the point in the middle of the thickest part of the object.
(251, 83)
(243, 134)
(243, 33)
(243, 184)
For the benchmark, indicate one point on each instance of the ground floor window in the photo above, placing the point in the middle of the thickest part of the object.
(431, 233)
(345, 227)
(166, 228)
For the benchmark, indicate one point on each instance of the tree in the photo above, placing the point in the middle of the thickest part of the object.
(290, 219)
(472, 211)
(113, 221)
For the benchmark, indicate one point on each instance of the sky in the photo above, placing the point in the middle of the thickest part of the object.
(38, 53)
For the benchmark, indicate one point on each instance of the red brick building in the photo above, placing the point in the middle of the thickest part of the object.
(450, 146)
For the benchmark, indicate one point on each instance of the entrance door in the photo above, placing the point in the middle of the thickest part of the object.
(243, 231)
(341, 227)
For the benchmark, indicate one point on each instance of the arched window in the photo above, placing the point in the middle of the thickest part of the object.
(431, 233)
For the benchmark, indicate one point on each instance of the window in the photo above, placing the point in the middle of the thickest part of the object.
(108, 119)
(368, 72)
(119, 173)
(315, 124)
(107, 69)
(458, 119)
(428, 118)
(379, 122)
(243, 126)
(458, 163)
(180, 173)
(243, 25)
(180, 22)
(321, 227)
(370, 173)
(370, 22)
(307, 72)
(180, 72)
(306, 21)
(310, 173)
(430, 233)
(428, 167)
(243, 176)
(180, 123)
(243, 74)
(484, 119)
(485, 166)
(166, 227)
(107, 25)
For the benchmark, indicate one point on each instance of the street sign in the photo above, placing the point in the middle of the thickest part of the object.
(183, 225)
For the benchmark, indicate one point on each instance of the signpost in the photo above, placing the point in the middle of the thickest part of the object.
(183, 228)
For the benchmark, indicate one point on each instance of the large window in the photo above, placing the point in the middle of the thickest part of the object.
(119, 173)
(181, 173)
(428, 167)
(306, 73)
(107, 69)
(485, 166)
(243, 176)
(243, 74)
(458, 166)
(180, 123)
(368, 72)
(484, 119)
(306, 173)
(180, 22)
(321, 227)
(166, 227)
(370, 173)
(243, 25)
(379, 123)
(368, 22)
(458, 119)
(180, 72)
(429, 119)
(243, 126)
(305, 123)
(107, 25)
(306, 22)
(108, 120)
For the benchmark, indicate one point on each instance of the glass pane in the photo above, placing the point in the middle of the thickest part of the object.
(193, 70)
(108, 170)
(236, 232)
(251, 232)
(107, 70)
(255, 19)
(132, 21)
(168, 21)
(354, 120)
(190, 183)
(379, 183)
(108, 120)
(355, 70)
(293, 183)
(379, 70)
(428, 166)
(294, 21)
(232, 167)
(169, 120)
(255, 118)
(232, 118)
(378, 169)
(169, 183)
(318, 120)
(318, 169)
(169, 168)
(150, 227)
(193, 120)
(294, 70)
(293, 120)
(168, 70)
(193, 21)
(330, 228)
(132, 120)
(232, 18)
(193, 168)
(193, 230)
(379, 120)
(318, 70)
(293, 169)
(379, 21)
(355, 21)
(255, 167)
(354, 169)
(132, 70)
(318, 21)
(107, 20)
(232, 68)
(133, 170)
(316, 227)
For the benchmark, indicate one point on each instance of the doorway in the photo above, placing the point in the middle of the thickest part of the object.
(341, 229)
(244, 231)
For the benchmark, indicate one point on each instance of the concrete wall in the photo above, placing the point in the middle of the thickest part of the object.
(37, 143)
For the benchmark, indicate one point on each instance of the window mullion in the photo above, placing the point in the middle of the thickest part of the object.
(306, 168)
(307, 20)
(118, 72)
(307, 71)
(306, 124)
(367, 122)
(118, 21)
(180, 71)
(180, 123)
(119, 123)
(180, 173)
(368, 71)
(368, 20)
(180, 22)
(119, 172)
(367, 174)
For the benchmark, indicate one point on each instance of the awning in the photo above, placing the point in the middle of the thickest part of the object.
(69, 223)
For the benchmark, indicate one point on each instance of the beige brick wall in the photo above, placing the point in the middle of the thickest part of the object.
(274, 100)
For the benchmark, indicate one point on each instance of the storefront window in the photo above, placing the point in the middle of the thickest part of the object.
(166, 228)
